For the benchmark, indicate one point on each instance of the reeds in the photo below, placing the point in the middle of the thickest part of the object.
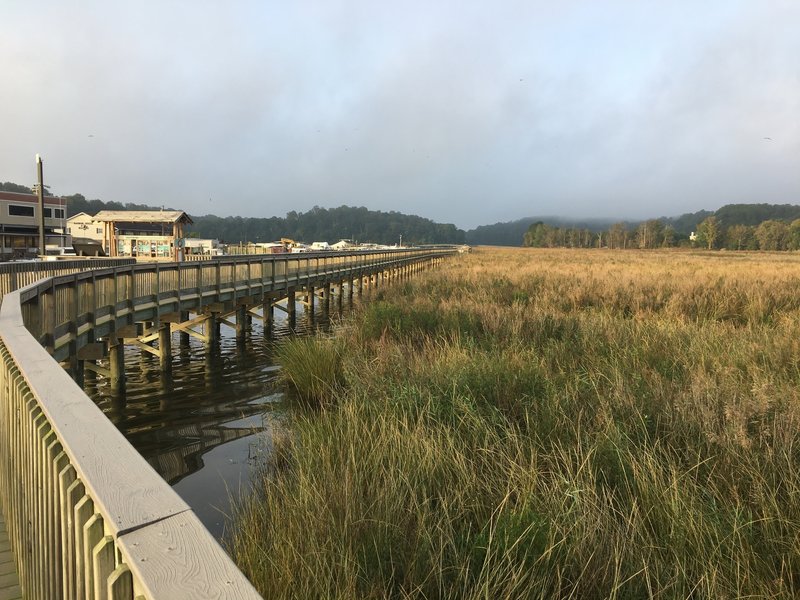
(546, 424)
(312, 369)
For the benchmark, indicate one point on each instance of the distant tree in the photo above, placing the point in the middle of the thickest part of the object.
(772, 235)
(688, 222)
(740, 237)
(794, 235)
(668, 236)
(755, 214)
(648, 234)
(7, 186)
(536, 236)
(708, 232)
(618, 236)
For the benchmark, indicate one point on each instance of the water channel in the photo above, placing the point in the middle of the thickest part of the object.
(206, 427)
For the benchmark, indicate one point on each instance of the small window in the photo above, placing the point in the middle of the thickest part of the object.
(59, 213)
(15, 210)
(99, 230)
(69, 229)
(48, 212)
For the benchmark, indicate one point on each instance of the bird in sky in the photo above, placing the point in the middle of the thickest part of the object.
(768, 138)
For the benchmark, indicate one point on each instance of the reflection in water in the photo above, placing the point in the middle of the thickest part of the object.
(199, 425)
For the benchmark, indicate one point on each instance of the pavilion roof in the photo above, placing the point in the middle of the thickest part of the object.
(143, 216)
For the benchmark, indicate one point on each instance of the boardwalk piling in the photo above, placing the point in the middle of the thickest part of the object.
(165, 347)
(291, 309)
(116, 363)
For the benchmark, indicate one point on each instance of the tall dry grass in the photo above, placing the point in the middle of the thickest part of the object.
(547, 424)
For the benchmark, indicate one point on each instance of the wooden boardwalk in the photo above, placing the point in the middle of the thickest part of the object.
(9, 584)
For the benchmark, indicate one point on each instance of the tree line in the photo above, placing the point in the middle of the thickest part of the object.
(318, 224)
(711, 233)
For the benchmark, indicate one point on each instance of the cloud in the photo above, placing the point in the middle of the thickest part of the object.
(460, 112)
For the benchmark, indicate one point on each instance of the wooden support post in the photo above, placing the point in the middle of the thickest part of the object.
(311, 301)
(326, 299)
(290, 307)
(350, 291)
(269, 314)
(360, 286)
(165, 347)
(340, 297)
(241, 322)
(78, 373)
(116, 363)
(89, 374)
(211, 329)
(183, 336)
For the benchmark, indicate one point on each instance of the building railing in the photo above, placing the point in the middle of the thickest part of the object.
(87, 516)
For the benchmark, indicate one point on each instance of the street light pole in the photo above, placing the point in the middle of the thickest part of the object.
(40, 194)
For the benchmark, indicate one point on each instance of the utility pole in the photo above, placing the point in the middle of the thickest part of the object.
(40, 194)
(401, 240)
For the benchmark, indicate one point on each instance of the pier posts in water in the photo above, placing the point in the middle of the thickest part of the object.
(183, 336)
(326, 299)
(269, 315)
(290, 307)
(241, 322)
(165, 347)
(211, 328)
(116, 364)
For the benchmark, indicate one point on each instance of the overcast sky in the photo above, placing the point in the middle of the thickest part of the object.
(459, 111)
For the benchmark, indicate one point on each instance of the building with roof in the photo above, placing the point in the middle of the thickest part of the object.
(84, 226)
(143, 234)
(19, 223)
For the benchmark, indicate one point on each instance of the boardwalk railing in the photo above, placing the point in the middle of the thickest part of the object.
(86, 515)
(67, 312)
(16, 275)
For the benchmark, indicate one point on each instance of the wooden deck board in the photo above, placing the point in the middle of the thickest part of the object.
(9, 583)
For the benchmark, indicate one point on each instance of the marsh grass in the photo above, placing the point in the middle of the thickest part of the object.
(312, 369)
(545, 424)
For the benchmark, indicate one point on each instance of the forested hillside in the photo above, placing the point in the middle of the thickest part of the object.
(500, 234)
(331, 224)
(558, 231)
(317, 224)
(733, 227)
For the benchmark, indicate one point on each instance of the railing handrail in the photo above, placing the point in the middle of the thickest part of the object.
(136, 504)
(16, 275)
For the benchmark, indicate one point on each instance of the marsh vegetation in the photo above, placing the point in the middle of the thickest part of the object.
(527, 423)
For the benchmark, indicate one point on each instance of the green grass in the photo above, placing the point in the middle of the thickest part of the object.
(590, 425)
(312, 369)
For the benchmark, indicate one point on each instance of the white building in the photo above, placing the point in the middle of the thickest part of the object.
(83, 225)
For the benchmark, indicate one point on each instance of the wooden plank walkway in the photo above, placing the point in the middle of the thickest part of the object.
(9, 584)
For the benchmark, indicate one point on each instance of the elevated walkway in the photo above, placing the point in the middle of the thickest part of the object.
(86, 514)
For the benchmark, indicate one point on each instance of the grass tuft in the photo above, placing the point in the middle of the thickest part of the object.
(312, 369)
